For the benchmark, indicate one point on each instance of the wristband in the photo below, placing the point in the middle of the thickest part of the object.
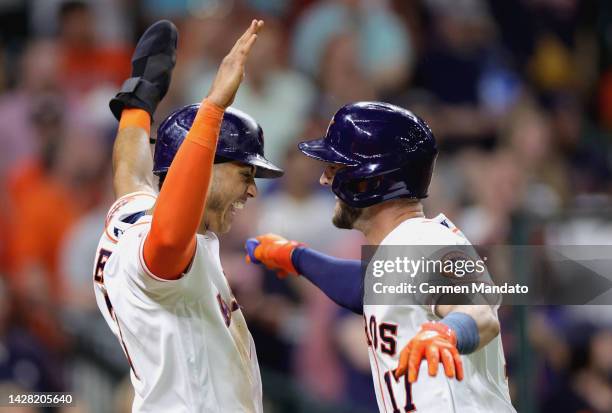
(134, 117)
(465, 329)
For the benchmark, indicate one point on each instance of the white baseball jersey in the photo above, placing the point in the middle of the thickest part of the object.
(484, 387)
(186, 340)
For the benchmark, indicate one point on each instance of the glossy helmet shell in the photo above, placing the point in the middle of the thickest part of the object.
(388, 152)
(240, 139)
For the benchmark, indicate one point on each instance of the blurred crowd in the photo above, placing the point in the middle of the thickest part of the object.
(518, 94)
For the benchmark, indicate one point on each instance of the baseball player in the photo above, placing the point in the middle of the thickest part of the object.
(157, 274)
(379, 161)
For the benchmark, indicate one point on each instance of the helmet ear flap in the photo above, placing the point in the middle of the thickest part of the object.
(361, 191)
(366, 185)
(357, 191)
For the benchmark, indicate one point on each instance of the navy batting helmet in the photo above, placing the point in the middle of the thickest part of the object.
(388, 152)
(240, 139)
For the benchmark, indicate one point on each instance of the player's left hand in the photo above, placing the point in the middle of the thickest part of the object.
(231, 70)
(274, 252)
(434, 342)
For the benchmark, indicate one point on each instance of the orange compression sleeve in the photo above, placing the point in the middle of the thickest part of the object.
(135, 117)
(171, 242)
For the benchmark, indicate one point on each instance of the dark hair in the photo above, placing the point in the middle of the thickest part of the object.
(162, 178)
(70, 6)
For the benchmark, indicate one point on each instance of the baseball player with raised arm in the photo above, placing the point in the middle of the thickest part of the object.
(379, 161)
(157, 274)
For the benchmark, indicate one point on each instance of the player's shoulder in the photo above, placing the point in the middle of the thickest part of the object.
(426, 231)
(131, 209)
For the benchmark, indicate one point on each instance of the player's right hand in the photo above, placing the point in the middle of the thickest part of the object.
(274, 252)
(231, 70)
(152, 64)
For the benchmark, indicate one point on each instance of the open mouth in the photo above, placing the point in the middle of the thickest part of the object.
(237, 206)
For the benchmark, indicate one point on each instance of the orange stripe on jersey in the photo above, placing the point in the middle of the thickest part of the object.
(380, 386)
(372, 346)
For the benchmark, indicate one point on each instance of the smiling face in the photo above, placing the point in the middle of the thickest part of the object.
(232, 184)
(345, 216)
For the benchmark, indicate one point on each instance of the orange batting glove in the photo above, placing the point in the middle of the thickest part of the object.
(435, 342)
(274, 252)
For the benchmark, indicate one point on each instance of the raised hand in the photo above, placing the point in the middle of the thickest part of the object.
(231, 70)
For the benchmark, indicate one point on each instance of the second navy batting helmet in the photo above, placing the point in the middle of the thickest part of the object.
(388, 153)
(240, 139)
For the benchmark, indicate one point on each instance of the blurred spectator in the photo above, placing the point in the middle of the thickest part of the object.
(34, 182)
(551, 64)
(497, 185)
(63, 179)
(355, 360)
(587, 387)
(276, 96)
(24, 360)
(86, 62)
(111, 22)
(172, 9)
(299, 209)
(340, 77)
(529, 135)
(468, 73)
(46, 194)
(605, 100)
(583, 144)
(271, 309)
(39, 74)
(384, 48)
(79, 246)
(276, 8)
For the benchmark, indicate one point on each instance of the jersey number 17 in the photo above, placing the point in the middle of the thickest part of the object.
(383, 337)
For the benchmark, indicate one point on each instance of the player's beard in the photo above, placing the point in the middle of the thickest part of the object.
(217, 210)
(346, 215)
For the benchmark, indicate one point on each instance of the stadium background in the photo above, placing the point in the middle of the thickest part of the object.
(518, 93)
